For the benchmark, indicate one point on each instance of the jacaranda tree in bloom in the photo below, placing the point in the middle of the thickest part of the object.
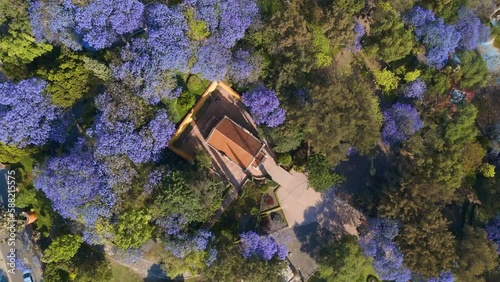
(205, 10)
(418, 16)
(26, 113)
(439, 38)
(55, 22)
(401, 121)
(182, 243)
(471, 29)
(102, 22)
(235, 17)
(140, 145)
(377, 242)
(213, 59)
(446, 276)
(244, 68)
(264, 106)
(359, 31)
(76, 185)
(415, 89)
(265, 247)
(227, 21)
(167, 42)
(142, 72)
(493, 230)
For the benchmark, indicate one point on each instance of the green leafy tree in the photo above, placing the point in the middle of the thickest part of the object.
(389, 39)
(203, 160)
(473, 69)
(461, 130)
(194, 196)
(132, 229)
(86, 266)
(322, 47)
(284, 138)
(437, 82)
(293, 43)
(446, 9)
(17, 44)
(344, 261)
(69, 81)
(386, 80)
(99, 69)
(487, 170)
(477, 255)
(320, 175)
(427, 237)
(197, 28)
(340, 115)
(411, 75)
(34, 200)
(12, 154)
(230, 266)
(62, 248)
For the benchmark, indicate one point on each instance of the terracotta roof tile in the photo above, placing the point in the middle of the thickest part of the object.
(235, 142)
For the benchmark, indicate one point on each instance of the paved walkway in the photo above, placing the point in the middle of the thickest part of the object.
(294, 194)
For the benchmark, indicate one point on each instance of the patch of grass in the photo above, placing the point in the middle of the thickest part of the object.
(123, 274)
(196, 85)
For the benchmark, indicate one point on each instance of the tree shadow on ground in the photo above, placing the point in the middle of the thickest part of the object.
(157, 274)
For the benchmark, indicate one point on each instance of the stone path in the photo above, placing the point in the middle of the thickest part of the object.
(294, 194)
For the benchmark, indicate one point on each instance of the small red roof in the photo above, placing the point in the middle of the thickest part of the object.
(235, 142)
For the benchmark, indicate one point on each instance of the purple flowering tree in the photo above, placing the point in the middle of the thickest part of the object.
(173, 224)
(167, 42)
(377, 242)
(54, 21)
(205, 10)
(446, 276)
(401, 121)
(359, 31)
(235, 17)
(76, 185)
(144, 74)
(182, 244)
(26, 113)
(265, 247)
(244, 67)
(213, 60)
(493, 230)
(471, 29)
(102, 22)
(415, 89)
(439, 38)
(264, 106)
(118, 130)
(154, 180)
(227, 21)
(418, 16)
(120, 173)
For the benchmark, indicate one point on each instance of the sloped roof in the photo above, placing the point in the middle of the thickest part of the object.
(235, 142)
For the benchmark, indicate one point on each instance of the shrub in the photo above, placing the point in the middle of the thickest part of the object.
(186, 100)
(284, 159)
(269, 200)
(264, 188)
(320, 176)
(487, 170)
(195, 85)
